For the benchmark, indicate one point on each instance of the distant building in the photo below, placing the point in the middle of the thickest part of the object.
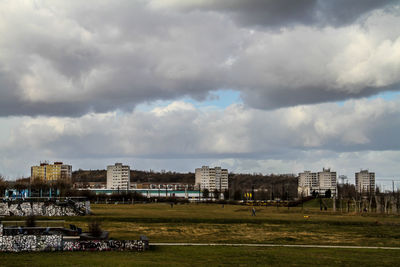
(118, 176)
(307, 181)
(319, 182)
(365, 182)
(163, 186)
(51, 172)
(211, 178)
(92, 185)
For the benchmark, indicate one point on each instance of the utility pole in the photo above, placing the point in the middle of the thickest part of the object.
(393, 187)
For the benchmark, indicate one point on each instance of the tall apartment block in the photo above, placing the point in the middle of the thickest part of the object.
(307, 180)
(51, 172)
(365, 182)
(211, 178)
(319, 182)
(118, 177)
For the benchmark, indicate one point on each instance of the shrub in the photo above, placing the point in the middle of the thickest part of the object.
(95, 228)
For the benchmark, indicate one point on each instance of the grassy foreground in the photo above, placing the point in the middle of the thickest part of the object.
(211, 223)
(234, 224)
(212, 256)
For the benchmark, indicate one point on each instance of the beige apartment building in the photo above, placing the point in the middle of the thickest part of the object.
(118, 176)
(365, 182)
(211, 178)
(51, 172)
(319, 182)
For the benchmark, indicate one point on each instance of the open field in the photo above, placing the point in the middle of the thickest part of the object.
(234, 224)
(212, 223)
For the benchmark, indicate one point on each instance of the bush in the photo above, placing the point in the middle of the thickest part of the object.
(95, 228)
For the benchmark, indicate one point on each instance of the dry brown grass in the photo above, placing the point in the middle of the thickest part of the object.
(234, 224)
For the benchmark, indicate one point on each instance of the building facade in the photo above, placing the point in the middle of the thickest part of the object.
(365, 182)
(307, 180)
(118, 176)
(320, 182)
(211, 178)
(52, 172)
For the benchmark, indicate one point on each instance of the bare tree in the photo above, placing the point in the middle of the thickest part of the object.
(38, 185)
(216, 194)
(206, 193)
(3, 185)
(21, 184)
(63, 186)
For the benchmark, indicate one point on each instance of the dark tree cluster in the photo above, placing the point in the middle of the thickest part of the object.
(3, 186)
(136, 176)
(263, 187)
(89, 176)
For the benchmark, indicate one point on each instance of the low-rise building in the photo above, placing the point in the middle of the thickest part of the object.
(118, 176)
(365, 182)
(93, 185)
(162, 186)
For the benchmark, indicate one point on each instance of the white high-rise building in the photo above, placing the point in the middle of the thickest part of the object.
(118, 176)
(211, 178)
(319, 182)
(307, 180)
(365, 182)
(327, 181)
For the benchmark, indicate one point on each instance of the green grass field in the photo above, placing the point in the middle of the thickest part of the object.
(213, 223)
(210, 256)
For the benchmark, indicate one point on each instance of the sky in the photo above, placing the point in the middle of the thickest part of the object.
(255, 86)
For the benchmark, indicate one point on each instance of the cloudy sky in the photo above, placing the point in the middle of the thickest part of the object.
(252, 85)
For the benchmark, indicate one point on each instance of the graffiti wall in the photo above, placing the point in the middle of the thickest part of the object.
(20, 243)
(70, 208)
(106, 245)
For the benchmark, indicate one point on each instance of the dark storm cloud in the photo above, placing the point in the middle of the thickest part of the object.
(279, 98)
(70, 58)
(283, 13)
